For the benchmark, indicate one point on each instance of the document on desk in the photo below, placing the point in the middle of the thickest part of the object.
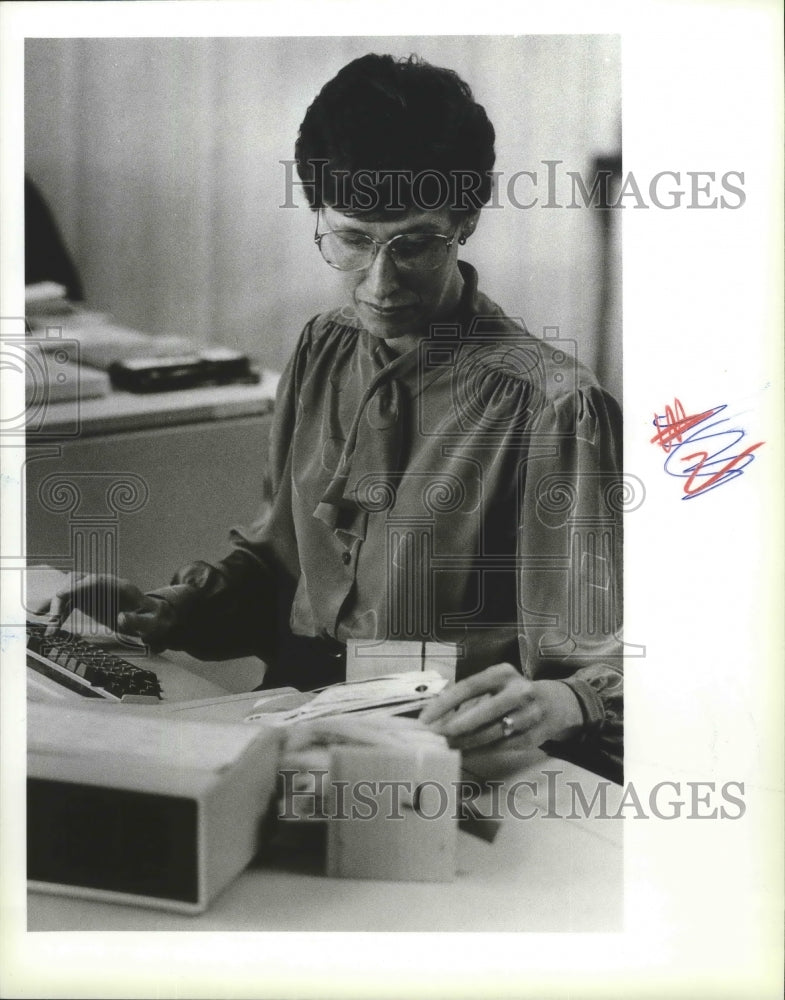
(379, 695)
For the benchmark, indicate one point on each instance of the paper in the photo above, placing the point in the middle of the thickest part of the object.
(397, 691)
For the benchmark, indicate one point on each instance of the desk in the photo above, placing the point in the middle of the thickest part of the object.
(127, 411)
(539, 875)
(548, 873)
(184, 466)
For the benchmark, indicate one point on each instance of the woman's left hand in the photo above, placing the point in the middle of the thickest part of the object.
(498, 706)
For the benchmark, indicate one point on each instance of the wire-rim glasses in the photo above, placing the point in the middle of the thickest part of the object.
(350, 250)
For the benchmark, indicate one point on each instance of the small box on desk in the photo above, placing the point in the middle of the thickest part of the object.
(400, 814)
(380, 812)
(145, 810)
(373, 658)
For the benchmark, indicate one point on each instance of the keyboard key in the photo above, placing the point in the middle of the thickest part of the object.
(103, 670)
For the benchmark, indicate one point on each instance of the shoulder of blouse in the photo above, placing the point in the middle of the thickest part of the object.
(321, 333)
(514, 368)
(326, 327)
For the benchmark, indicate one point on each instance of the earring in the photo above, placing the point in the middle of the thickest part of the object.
(462, 240)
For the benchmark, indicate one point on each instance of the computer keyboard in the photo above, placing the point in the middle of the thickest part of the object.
(87, 669)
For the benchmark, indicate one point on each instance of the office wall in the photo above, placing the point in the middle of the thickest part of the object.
(161, 160)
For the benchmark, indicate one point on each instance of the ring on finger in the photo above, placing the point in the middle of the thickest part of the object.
(508, 726)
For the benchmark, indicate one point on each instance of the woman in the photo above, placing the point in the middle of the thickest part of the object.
(437, 474)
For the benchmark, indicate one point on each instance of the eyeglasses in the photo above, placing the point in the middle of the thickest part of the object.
(349, 250)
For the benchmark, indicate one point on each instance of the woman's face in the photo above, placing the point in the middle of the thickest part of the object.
(392, 303)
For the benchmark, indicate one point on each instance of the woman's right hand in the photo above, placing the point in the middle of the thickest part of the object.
(118, 604)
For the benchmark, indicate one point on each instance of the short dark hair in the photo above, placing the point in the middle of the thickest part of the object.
(389, 134)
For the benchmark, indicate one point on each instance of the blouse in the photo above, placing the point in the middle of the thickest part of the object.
(465, 492)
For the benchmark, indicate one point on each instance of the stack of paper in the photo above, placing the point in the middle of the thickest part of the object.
(391, 695)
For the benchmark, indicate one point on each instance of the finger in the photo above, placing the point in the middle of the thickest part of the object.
(473, 714)
(526, 731)
(68, 598)
(487, 681)
(487, 735)
(443, 720)
(60, 608)
(141, 623)
(488, 710)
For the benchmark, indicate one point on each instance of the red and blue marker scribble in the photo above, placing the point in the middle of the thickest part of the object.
(680, 437)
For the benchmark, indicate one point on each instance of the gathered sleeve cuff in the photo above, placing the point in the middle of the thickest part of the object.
(221, 611)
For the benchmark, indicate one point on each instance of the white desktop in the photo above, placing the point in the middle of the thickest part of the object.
(549, 867)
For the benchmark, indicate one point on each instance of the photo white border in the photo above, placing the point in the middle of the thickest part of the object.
(702, 90)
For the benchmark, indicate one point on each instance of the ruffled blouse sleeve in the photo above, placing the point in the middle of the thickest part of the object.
(570, 577)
